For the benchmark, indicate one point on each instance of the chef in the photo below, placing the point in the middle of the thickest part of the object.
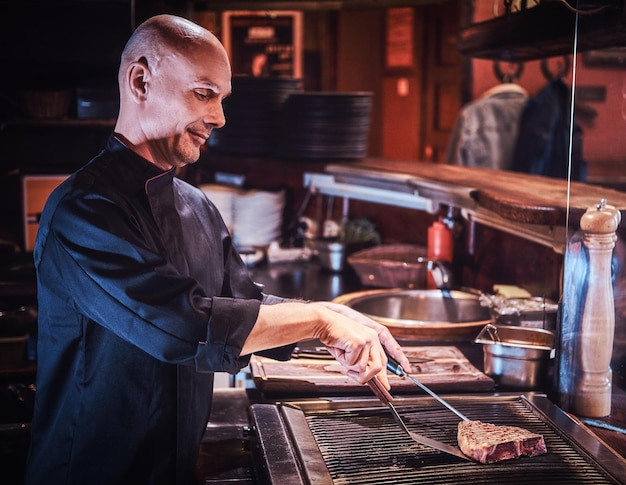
(142, 295)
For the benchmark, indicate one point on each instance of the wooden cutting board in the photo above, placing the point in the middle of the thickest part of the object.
(442, 368)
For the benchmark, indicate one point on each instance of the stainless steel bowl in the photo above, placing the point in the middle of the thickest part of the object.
(422, 315)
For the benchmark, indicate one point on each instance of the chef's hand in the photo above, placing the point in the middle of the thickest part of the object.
(355, 346)
(391, 346)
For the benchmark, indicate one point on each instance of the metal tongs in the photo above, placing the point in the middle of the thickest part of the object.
(394, 366)
(386, 399)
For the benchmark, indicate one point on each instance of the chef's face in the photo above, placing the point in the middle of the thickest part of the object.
(184, 103)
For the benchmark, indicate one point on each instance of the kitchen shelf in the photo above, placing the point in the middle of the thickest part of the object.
(546, 30)
(532, 207)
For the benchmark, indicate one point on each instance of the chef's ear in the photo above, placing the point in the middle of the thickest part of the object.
(138, 79)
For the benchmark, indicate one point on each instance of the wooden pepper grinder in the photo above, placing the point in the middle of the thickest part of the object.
(592, 384)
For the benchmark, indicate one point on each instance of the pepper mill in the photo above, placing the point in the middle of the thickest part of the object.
(592, 383)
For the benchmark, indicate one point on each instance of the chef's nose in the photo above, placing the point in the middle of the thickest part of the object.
(215, 116)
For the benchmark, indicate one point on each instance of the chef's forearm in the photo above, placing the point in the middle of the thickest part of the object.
(283, 324)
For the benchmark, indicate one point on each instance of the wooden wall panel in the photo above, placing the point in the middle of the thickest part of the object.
(401, 117)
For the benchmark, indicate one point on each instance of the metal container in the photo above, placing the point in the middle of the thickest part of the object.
(534, 312)
(331, 254)
(516, 357)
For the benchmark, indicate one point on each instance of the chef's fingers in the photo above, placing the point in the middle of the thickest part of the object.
(384, 335)
(387, 340)
(384, 379)
(362, 363)
(364, 377)
(355, 345)
(382, 375)
(394, 350)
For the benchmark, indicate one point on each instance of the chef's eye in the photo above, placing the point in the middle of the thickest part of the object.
(203, 95)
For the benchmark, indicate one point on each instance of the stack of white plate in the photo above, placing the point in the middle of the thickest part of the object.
(224, 199)
(253, 217)
(258, 217)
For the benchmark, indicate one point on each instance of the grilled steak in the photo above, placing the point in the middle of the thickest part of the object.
(488, 443)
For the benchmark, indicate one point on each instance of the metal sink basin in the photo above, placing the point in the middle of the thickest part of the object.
(422, 315)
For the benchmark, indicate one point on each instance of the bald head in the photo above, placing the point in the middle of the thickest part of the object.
(161, 35)
(173, 78)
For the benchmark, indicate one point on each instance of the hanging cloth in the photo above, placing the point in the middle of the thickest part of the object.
(542, 146)
(485, 131)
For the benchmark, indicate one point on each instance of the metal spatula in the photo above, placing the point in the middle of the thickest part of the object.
(386, 399)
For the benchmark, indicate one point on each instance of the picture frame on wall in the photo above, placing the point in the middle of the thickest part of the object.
(399, 30)
(263, 43)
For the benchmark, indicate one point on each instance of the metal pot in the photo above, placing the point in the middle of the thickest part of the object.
(516, 357)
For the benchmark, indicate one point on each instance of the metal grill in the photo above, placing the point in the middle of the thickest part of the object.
(368, 447)
(363, 445)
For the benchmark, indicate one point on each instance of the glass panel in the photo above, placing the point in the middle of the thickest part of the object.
(593, 333)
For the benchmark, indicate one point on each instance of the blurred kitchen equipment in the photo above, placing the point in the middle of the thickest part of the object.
(277, 254)
(516, 357)
(422, 315)
(349, 236)
(223, 197)
(253, 111)
(253, 217)
(386, 399)
(16, 322)
(391, 266)
(440, 247)
(36, 188)
(320, 125)
(440, 272)
(16, 325)
(93, 103)
(258, 217)
(532, 312)
(331, 254)
(47, 104)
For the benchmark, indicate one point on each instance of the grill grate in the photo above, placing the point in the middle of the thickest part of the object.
(366, 446)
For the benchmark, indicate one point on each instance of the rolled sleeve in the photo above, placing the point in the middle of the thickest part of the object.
(230, 324)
